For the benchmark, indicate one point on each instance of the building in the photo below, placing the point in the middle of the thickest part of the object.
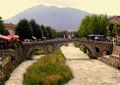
(118, 37)
(114, 24)
(10, 27)
(69, 34)
(115, 19)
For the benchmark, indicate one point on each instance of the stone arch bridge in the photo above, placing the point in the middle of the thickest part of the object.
(15, 56)
(96, 48)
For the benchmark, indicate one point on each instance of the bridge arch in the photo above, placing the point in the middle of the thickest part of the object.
(31, 50)
(95, 48)
(87, 50)
(47, 48)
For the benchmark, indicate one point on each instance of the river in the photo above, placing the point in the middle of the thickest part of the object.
(86, 71)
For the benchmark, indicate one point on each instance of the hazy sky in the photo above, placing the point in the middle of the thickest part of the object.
(9, 8)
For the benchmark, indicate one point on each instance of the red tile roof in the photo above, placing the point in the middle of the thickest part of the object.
(115, 19)
(10, 26)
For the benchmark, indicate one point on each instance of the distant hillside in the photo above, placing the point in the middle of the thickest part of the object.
(58, 18)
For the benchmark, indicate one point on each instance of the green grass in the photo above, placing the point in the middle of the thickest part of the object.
(5, 61)
(49, 48)
(49, 70)
(37, 52)
(118, 43)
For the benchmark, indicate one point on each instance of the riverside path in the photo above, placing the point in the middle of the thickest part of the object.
(87, 71)
(16, 77)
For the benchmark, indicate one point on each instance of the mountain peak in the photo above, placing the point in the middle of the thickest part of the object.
(58, 18)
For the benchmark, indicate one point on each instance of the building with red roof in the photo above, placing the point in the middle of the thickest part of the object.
(115, 19)
(68, 34)
(10, 27)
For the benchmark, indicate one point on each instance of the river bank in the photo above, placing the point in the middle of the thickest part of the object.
(86, 71)
(17, 75)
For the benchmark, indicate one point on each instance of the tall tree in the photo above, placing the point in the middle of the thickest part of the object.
(113, 29)
(93, 24)
(45, 32)
(116, 29)
(54, 34)
(24, 29)
(49, 31)
(36, 31)
(60, 34)
(3, 31)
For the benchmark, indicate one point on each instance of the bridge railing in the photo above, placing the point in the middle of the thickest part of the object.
(66, 40)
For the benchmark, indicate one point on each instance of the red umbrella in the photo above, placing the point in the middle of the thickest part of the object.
(4, 37)
(13, 36)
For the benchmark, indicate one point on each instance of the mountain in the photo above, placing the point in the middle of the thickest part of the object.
(58, 18)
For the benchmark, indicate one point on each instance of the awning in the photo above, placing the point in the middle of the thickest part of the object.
(4, 37)
(13, 36)
(97, 35)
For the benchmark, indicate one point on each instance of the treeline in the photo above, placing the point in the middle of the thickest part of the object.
(3, 31)
(93, 24)
(113, 29)
(30, 29)
(97, 24)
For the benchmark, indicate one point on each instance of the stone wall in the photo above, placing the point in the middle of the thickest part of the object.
(89, 44)
(111, 60)
(114, 58)
(14, 57)
(116, 51)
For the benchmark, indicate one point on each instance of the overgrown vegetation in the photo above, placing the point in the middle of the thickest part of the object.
(37, 52)
(85, 50)
(118, 43)
(5, 61)
(113, 29)
(81, 47)
(49, 70)
(49, 48)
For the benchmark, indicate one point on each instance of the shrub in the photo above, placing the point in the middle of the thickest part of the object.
(81, 47)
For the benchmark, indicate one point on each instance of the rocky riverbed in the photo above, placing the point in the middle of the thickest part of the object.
(87, 71)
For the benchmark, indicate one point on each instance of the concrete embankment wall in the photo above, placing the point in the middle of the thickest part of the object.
(114, 58)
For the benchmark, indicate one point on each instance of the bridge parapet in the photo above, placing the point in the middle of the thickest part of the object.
(97, 48)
